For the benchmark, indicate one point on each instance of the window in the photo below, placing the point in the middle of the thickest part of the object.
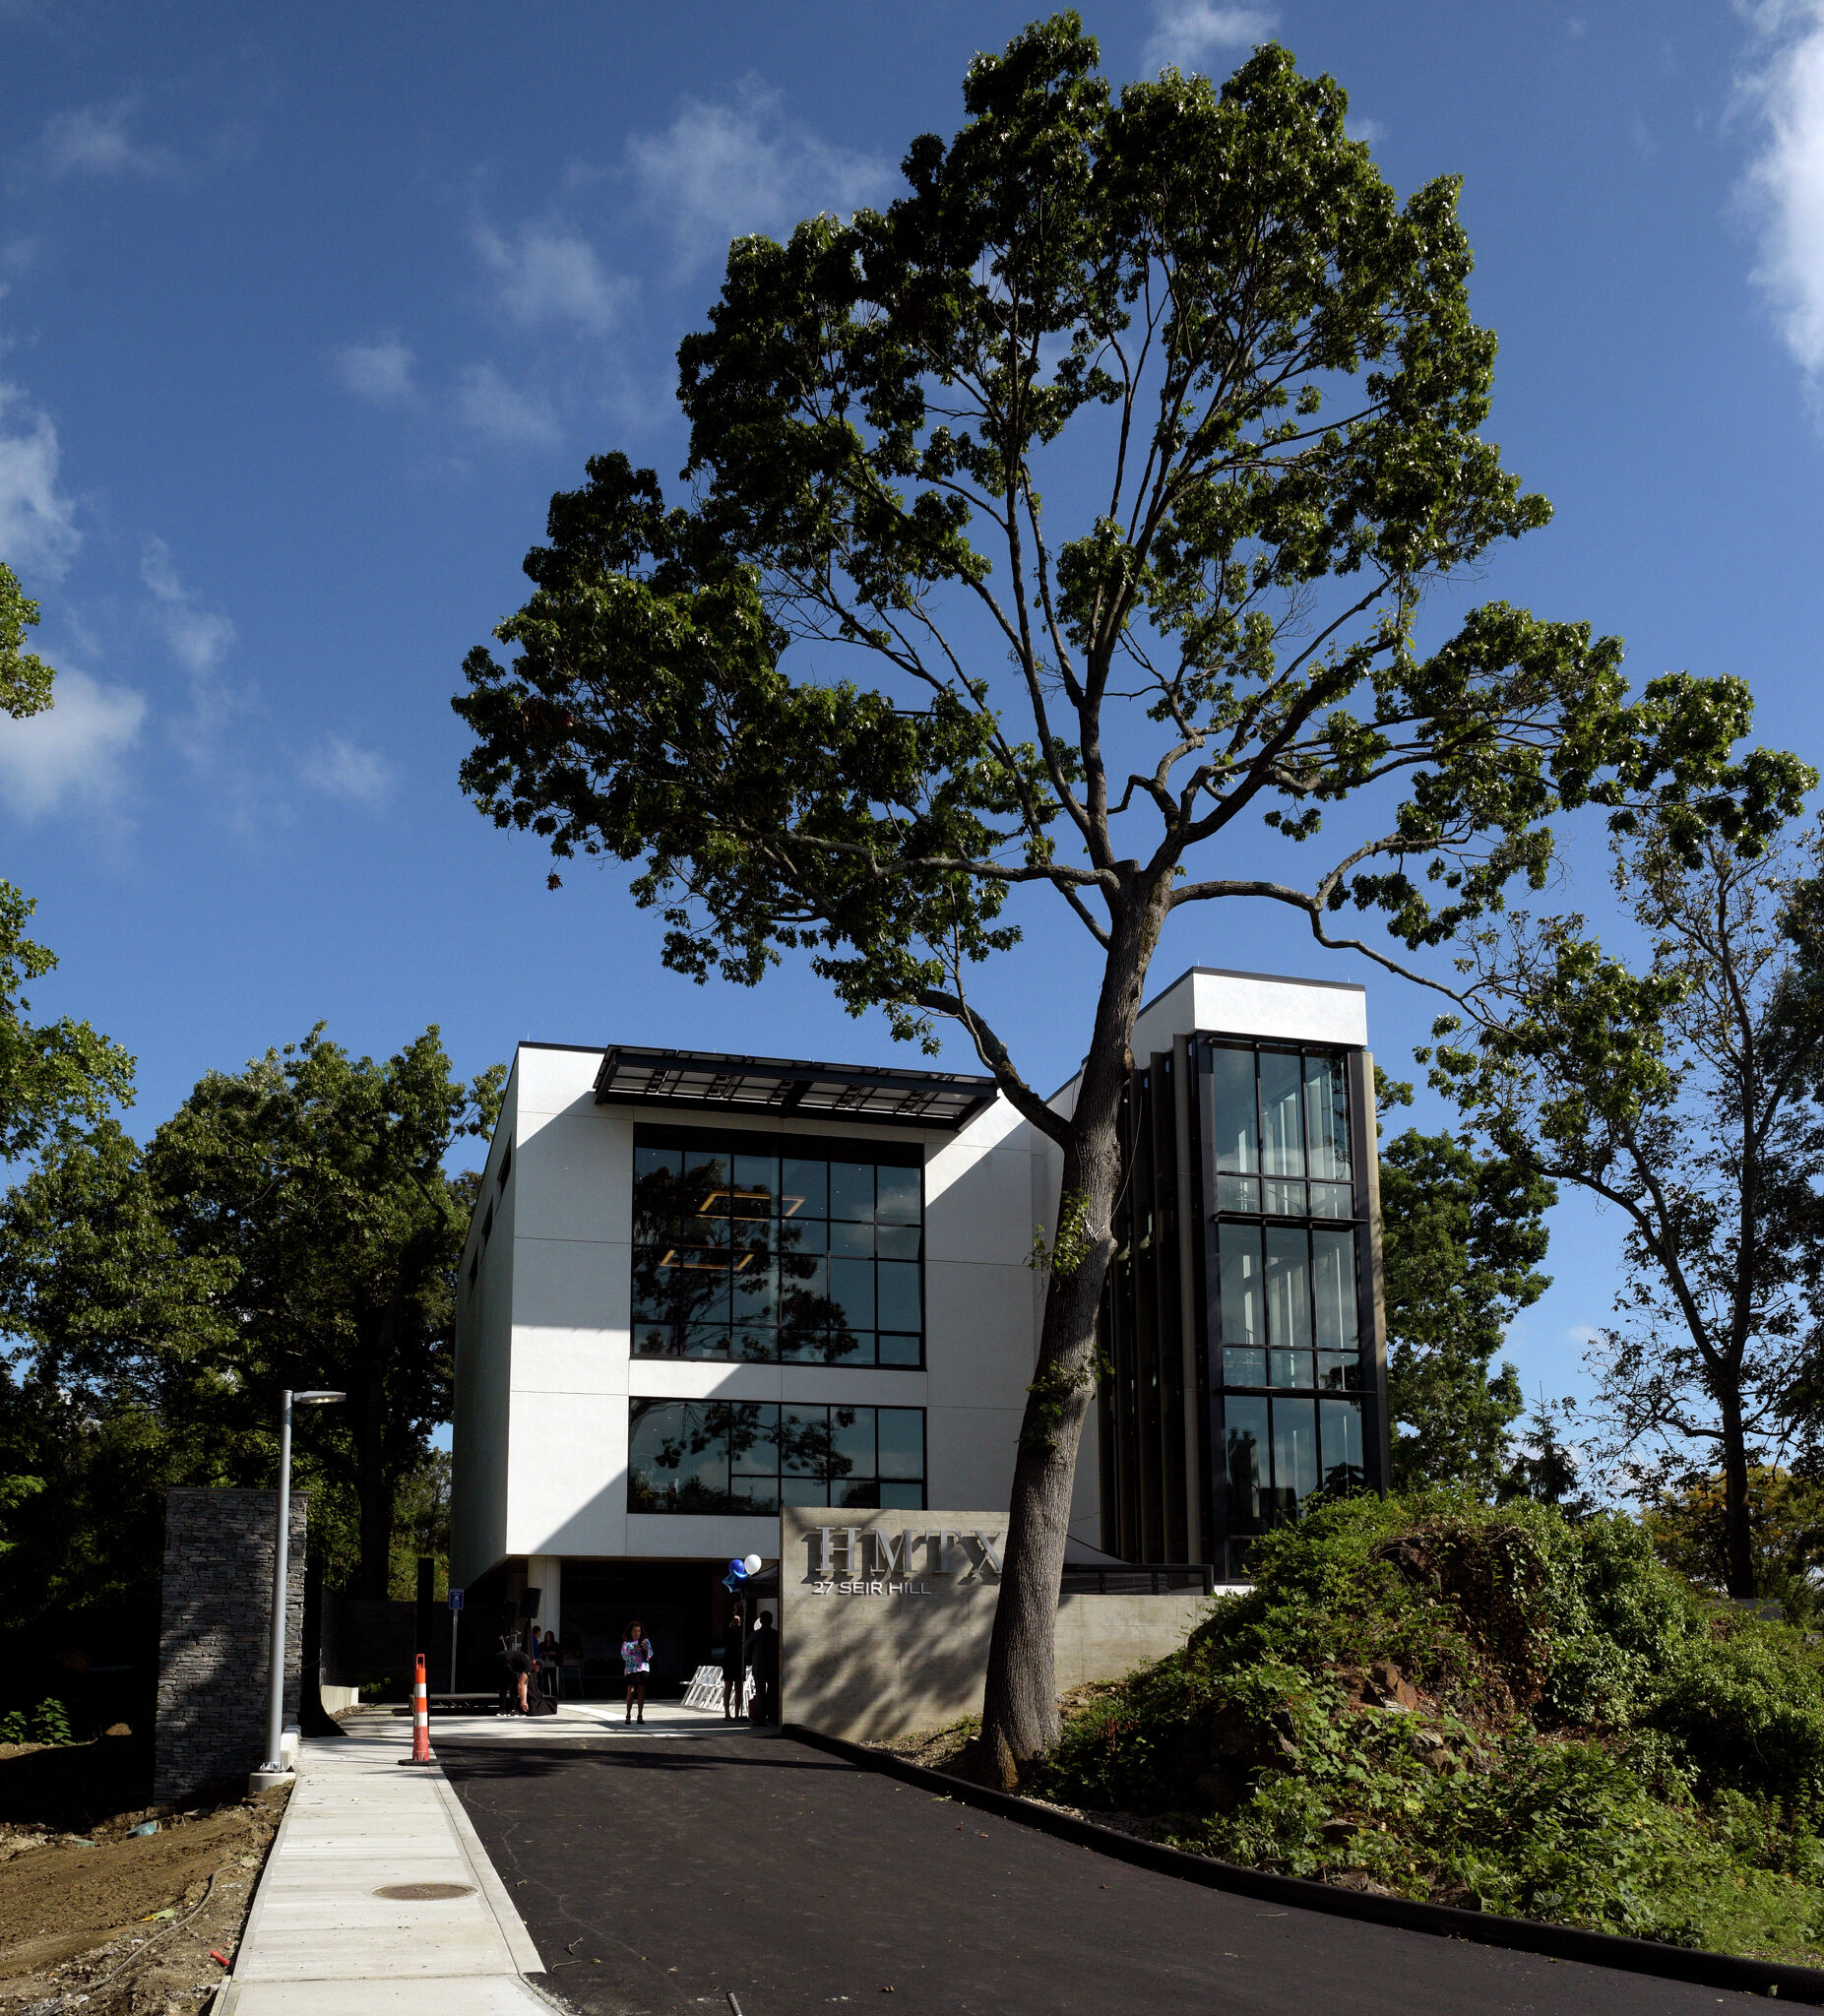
(1281, 1133)
(749, 1456)
(790, 1251)
(1279, 1450)
(1284, 1323)
(1285, 1311)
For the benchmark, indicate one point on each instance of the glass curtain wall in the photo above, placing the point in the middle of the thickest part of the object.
(1285, 1327)
(747, 1456)
(792, 1251)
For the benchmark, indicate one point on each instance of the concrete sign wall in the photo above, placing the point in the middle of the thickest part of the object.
(885, 1617)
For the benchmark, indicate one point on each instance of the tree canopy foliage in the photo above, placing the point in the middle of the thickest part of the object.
(1462, 1234)
(48, 1071)
(1050, 530)
(1681, 1090)
(292, 1225)
(24, 678)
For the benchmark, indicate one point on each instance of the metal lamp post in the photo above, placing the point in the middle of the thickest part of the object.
(281, 1576)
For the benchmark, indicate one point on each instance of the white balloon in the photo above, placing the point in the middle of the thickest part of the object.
(752, 1564)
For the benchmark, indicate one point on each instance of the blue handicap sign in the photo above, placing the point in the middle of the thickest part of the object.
(456, 1598)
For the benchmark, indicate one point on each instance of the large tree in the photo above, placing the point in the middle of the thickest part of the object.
(1117, 457)
(1682, 1091)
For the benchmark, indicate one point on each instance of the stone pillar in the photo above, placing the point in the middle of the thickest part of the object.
(215, 1639)
(545, 1573)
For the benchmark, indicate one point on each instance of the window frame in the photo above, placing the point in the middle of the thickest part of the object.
(717, 1420)
(726, 1144)
(1314, 1399)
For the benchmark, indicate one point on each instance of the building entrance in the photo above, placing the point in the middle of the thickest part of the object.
(679, 1604)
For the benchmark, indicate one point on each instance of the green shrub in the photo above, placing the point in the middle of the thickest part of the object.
(1485, 1706)
(1748, 1712)
(49, 1723)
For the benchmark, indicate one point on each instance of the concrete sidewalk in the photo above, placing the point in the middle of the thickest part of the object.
(323, 1940)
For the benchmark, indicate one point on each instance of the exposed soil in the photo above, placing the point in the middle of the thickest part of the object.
(95, 1916)
(947, 1750)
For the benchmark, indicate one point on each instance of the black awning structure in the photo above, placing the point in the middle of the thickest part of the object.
(697, 1081)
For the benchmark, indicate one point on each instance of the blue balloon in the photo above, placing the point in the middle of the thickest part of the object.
(738, 1569)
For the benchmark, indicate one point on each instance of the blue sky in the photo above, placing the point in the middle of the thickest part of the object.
(305, 312)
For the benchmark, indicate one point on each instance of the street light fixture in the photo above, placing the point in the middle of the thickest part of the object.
(274, 1766)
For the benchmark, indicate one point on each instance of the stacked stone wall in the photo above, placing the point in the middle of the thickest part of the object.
(215, 1642)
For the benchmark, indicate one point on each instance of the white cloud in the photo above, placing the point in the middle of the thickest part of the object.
(380, 371)
(198, 638)
(37, 521)
(485, 401)
(720, 171)
(1786, 179)
(1368, 131)
(548, 275)
(341, 770)
(1188, 32)
(93, 140)
(71, 753)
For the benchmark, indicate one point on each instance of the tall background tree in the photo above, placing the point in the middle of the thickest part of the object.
(1462, 1237)
(1120, 452)
(53, 1076)
(319, 1179)
(1683, 1092)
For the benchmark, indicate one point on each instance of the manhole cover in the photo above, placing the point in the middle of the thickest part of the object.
(424, 1893)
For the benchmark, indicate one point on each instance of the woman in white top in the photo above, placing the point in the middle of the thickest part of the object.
(637, 1659)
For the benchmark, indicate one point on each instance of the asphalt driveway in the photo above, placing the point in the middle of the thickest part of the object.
(657, 1873)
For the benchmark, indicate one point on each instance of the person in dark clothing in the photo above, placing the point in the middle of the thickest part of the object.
(763, 1664)
(517, 1668)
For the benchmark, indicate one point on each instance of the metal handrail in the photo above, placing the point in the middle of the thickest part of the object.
(1139, 1579)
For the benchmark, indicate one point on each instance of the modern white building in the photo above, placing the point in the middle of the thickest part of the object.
(698, 1288)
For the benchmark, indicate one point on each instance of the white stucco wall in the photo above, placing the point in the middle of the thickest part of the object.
(543, 1401)
(479, 1453)
(1253, 1004)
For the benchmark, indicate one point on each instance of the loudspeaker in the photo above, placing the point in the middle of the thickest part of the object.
(529, 1604)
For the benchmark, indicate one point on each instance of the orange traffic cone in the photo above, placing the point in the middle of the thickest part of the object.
(420, 1717)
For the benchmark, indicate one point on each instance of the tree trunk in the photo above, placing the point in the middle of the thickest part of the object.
(374, 1487)
(1020, 1719)
(1737, 1536)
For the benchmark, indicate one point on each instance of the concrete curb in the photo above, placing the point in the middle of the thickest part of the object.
(487, 1879)
(1483, 1929)
(257, 1909)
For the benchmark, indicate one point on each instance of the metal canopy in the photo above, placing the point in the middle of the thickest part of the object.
(704, 1081)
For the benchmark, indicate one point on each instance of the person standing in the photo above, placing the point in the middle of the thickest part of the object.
(547, 1665)
(637, 1661)
(763, 1662)
(734, 1666)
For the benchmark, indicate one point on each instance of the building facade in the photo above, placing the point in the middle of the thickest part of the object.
(699, 1290)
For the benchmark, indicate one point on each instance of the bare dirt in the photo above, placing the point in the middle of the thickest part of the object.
(93, 1915)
